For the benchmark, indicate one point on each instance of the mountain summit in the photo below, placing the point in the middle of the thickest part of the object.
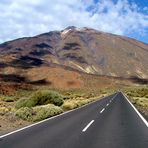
(83, 49)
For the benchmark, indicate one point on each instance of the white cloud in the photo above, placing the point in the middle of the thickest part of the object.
(20, 18)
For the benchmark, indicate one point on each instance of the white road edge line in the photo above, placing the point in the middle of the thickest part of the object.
(143, 119)
(26, 127)
(88, 125)
(107, 104)
(102, 110)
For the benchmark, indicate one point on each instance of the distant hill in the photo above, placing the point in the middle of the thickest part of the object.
(76, 49)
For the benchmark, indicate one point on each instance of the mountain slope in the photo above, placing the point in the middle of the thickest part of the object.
(82, 49)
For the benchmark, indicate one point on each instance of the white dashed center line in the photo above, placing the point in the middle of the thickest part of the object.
(91, 122)
(102, 110)
(88, 125)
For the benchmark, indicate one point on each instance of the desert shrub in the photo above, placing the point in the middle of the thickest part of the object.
(21, 103)
(141, 102)
(38, 113)
(103, 91)
(72, 104)
(69, 105)
(73, 95)
(3, 110)
(8, 98)
(25, 113)
(146, 95)
(41, 97)
(141, 92)
(45, 111)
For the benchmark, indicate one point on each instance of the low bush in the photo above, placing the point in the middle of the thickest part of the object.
(38, 113)
(8, 98)
(25, 113)
(3, 110)
(41, 97)
(45, 97)
(69, 105)
(143, 102)
(21, 103)
(140, 92)
(72, 104)
(46, 111)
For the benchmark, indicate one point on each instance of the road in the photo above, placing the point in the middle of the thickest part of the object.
(108, 123)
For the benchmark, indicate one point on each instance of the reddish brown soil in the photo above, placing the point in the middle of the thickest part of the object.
(9, 89)
(56, 77)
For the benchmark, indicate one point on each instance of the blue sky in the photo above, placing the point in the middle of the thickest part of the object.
(19, 18)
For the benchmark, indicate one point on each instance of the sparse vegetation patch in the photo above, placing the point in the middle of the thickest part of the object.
(38, 113)
(139, 97)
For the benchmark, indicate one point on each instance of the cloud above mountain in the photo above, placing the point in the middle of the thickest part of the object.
(20, 18)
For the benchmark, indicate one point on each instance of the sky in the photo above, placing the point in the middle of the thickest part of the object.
(23, 18)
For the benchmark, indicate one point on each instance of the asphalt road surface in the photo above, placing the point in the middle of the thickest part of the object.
(108, 123)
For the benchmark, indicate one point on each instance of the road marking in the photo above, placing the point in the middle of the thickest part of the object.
(107, 104)
(143, 119)
(102, 110)
(88, 125)
(114, 97)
